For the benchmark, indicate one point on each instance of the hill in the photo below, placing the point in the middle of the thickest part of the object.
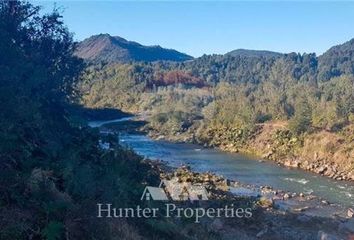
(104, 47)
(337, 60)
(253, 53)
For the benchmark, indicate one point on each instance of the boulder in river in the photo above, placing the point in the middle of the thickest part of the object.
(286, 196)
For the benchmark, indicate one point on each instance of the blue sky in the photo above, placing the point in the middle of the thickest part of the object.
(198, 27)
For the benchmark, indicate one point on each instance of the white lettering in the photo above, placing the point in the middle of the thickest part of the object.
(100, 210)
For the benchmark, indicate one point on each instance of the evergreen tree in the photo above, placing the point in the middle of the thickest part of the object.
(301, 121)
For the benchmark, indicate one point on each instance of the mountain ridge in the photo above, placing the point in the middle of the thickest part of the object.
(253, 53)
(113, 49)
(338, 60)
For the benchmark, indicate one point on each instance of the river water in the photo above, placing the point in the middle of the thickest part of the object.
(239, 167)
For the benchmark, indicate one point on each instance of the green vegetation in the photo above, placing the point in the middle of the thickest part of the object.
(227, 90)
(53, 171)
(238, 101)
(301, 121)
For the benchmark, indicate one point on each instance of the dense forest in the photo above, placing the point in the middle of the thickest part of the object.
(53, 172)
(265, 87)
(222, 100)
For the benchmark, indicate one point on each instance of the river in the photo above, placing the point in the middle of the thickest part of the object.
(239, 167)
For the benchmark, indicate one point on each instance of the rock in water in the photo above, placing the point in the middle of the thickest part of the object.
(350, 212)
(286, 196)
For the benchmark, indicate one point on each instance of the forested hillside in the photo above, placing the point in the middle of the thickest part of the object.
(253, 53)
(52, 170)
(270, 85)
(229, 100)
(337, 61)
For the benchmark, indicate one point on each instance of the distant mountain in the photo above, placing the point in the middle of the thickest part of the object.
(253, 53)
(104, 47)
(337, 60)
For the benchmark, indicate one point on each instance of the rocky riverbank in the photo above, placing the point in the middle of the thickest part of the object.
(321, 152)
(277, 214)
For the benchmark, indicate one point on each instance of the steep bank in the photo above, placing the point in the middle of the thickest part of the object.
(323, 152)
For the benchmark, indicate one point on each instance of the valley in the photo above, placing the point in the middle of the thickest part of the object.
(296, 110)
(243, 143)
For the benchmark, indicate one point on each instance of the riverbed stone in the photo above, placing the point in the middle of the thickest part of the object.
(266, 202)
(321, 169)
(286, 196)
(350, 212)
(325, 202)
(267, 155)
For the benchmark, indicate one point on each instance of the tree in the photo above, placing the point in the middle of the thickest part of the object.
(301, 121)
